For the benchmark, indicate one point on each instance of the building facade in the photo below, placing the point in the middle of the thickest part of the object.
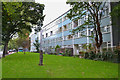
(58, 32)
(33, 37)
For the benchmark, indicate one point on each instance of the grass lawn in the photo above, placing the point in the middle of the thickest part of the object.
(0, 69)
(21, 65)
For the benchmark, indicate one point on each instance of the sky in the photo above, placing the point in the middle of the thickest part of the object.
(53, 9)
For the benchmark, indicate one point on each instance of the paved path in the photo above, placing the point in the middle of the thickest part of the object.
(1, 52)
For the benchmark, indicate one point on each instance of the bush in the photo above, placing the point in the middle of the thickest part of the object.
(91, 55)
(105, 56)
(116, 51)
(86, 55)
(67, 53)
(99, 56)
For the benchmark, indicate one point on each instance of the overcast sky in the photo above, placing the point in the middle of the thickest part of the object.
(53, 9)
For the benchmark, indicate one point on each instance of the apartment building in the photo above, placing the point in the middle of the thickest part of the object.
(33, 37)
(58, 32)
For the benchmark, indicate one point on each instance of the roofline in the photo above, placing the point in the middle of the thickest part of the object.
(56, 18)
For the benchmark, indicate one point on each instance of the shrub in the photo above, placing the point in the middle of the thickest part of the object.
(57, 47)
(86, 55)
(116, 51)
(91, 55)
(99, 56)
(67, 53)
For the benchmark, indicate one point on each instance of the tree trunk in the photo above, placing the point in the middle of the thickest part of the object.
(5, 49)
(24, 50)
(98, 38)
(41, 58)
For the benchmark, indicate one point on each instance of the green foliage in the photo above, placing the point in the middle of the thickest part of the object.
(22, 42)
(105, 56)
(11, 8)
(13, 44)
(19, 17)
(37, 44)
(84, 46)
(91, 55)
(86, 55)
(92, 13)
(87, 47)
(67, 52)
(1, 47)
(24, 34)
(57, 47)
(116, 10)
(117, 51)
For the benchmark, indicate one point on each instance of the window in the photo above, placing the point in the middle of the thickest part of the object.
(65, 27)
(76, 35)
(65, 38)
(83, 33)
(46, 34)
(51, 33)
(79, 34)
(70, 36)
(108, 44)
(75, 23)
(102, 29)
(69, 26)
(107, 29)
(103, 13)
(60, 39)
(91, 32)
(42, 36)
(107, 12)
(60, 29)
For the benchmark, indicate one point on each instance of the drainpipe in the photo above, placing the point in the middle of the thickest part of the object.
(111, 35)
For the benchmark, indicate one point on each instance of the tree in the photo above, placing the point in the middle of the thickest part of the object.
(57, 47)
(38, 29)
(13, 44)
(22, 42)
(116, 10)
(22, 37)
(37, 44)
(115, 18)
(18, 18)
(92, 12)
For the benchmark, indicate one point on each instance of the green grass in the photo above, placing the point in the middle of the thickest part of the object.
(0, 69)
(21, 65)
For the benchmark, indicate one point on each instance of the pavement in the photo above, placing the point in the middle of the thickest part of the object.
(1, 52)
